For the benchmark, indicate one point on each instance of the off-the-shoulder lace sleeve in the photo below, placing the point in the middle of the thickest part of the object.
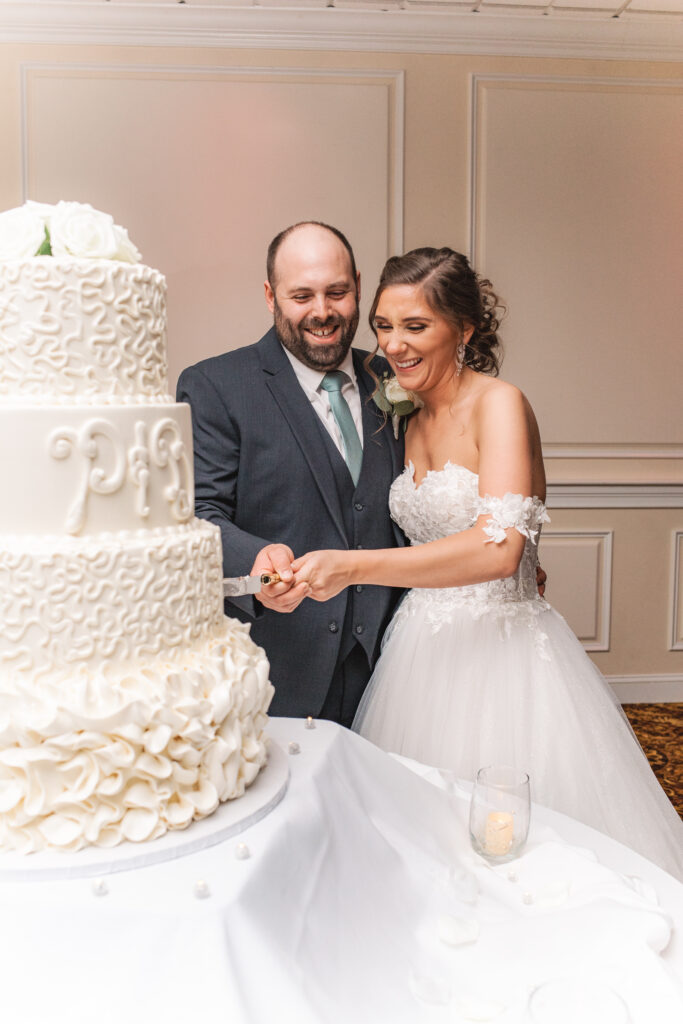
(512, 511)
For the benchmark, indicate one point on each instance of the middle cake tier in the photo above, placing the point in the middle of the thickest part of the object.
(121, 599)
(72, 471)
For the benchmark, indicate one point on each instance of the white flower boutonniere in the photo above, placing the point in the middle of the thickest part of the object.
(393, 399)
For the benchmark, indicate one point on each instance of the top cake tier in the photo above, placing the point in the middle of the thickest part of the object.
(82, 331)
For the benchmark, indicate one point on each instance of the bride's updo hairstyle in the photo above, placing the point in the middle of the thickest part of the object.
(456, 292)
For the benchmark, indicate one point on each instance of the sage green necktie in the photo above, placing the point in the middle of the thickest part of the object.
(333, 382)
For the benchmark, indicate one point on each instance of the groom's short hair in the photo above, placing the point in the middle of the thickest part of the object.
(274, 247)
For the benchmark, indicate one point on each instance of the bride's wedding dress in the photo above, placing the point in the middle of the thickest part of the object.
(491, 674)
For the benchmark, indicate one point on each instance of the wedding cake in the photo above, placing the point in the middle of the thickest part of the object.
(129, 704)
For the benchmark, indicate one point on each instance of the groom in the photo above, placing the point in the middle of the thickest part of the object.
(292, 455)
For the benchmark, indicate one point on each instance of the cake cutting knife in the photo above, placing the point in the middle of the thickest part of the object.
(240, 586)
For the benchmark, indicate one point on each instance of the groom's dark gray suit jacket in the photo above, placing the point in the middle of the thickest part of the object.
(267, 471)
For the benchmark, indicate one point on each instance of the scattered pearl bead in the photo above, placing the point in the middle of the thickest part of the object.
(294, 747)
(100, 887)
(242, 851)
(201, 890)
(512, 876)
(310, 724)
(527, 898)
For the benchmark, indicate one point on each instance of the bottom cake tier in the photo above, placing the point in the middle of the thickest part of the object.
(101, 756)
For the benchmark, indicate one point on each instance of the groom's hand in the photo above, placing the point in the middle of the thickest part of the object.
(286, 595)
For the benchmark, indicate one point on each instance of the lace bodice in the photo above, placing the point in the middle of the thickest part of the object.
(448, 501)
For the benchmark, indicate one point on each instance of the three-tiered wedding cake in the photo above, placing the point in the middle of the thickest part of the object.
(129, 704)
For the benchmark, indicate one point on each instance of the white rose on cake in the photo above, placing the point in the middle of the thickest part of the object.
(67, 229)
(76, 229)
(125, 250)
(43, 210)
(22, 232)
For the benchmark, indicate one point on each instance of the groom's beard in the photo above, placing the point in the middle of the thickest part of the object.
(317, 356)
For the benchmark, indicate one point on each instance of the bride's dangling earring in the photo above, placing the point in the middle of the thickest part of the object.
(460, 358)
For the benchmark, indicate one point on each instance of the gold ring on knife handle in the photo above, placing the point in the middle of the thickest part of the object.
(269, 577)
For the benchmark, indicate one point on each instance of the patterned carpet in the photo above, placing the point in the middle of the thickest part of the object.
(659, 728)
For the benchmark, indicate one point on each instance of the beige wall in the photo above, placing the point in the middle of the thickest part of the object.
(233, 156)
(564, 176)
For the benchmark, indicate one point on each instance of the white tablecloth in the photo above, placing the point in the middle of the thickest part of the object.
(360, 900)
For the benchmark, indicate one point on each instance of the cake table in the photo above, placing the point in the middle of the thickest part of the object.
(356, 898)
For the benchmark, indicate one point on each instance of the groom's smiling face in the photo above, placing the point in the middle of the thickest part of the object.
(314, 297)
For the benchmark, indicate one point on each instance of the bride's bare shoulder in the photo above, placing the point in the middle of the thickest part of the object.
(505, 411)
(496, 397)
(501, 403)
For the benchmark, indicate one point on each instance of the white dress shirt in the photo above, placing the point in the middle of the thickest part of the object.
(310, 381)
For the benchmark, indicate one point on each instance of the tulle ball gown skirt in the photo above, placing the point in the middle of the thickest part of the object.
(460, 690)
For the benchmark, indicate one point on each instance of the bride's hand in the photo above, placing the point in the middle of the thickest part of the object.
(325, 572)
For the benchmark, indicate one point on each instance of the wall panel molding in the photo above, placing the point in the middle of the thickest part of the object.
(613, 451)
(550, 177)
(648, 689)
(394, 79)
(676, 634)
(479, 83)
(616, 476)
(579, 563)
(302, 28)
(236, 154)
(614, 496)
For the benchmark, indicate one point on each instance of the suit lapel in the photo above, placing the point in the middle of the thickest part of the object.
(303, 422)
(375, 427)
(374, 424)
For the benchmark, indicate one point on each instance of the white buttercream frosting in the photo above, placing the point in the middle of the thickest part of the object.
(108, 469)
(120, 598)
(129, 704)
(95, 757)
(80, 330)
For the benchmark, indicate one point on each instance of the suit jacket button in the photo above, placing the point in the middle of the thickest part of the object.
(333, 627)
(359, 629)
(359, 588)
(358, 507)
(359, 546)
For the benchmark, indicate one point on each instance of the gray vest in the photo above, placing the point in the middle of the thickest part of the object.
(368, 525)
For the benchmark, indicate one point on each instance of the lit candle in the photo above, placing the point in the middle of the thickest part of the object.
(499, 833)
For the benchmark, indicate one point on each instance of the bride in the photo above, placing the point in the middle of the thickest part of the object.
(476, 667)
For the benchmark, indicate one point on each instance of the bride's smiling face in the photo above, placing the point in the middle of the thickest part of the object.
(419, 343)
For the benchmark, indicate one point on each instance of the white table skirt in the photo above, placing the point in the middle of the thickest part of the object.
(361, 901)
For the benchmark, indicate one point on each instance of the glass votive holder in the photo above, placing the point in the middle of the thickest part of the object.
(499, 812)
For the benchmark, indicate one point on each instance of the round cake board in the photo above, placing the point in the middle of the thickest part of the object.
(228, 820)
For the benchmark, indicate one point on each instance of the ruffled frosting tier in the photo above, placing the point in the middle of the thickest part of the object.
(101, 756)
